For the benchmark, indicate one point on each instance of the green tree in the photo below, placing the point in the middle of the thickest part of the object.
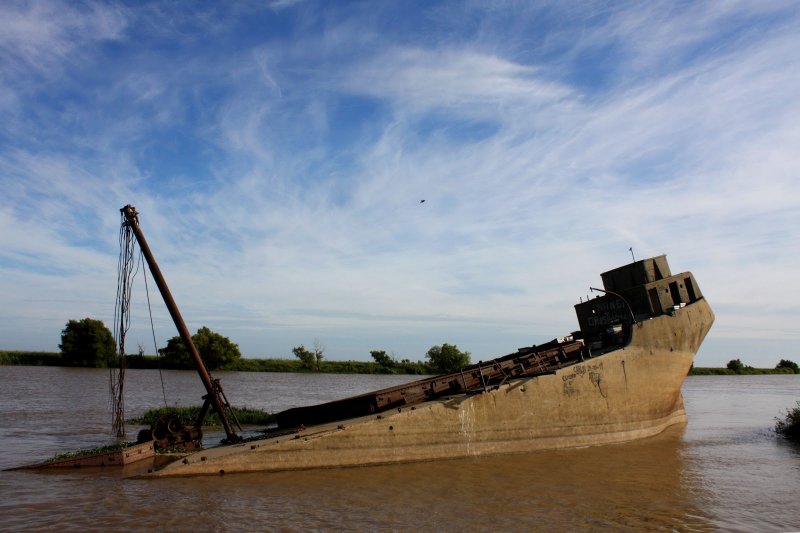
(319, 352)
(311, 360)
(87, 342)
(791, 365)
(305, 356)
(215, 350)
(383, 359)
(447, 358)
(736, 365)
(175, 354)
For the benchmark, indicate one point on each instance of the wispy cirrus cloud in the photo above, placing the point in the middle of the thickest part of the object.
(279, 165)
(42, 36)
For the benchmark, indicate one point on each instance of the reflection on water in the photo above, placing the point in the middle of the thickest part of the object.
(724, 470)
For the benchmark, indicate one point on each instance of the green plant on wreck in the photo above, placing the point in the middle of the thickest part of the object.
(245, 416)
(789, 427)
(87, 452)
(171, 451)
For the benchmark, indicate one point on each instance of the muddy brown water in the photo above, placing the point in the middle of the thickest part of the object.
(725, 470)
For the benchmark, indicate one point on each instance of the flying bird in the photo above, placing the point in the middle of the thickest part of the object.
(422, 201)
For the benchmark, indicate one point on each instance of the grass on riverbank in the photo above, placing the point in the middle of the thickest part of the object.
(244, 364)
(30, 358)
(245, 415)
(748, 371)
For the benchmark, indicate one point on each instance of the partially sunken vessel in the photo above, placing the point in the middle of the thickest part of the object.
(616, 379)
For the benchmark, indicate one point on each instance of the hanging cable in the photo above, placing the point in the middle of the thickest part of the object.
(153, 329)
(122, 321)
(127, 268)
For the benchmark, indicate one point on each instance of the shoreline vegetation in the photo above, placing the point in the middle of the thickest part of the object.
(713, 371)
(23, 358)
(244, 364)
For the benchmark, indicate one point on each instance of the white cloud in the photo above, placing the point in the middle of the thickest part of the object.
(463, 81)
(42, 35)
(534, 183)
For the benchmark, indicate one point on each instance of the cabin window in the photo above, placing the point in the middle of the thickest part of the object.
(676, 293)
(690, 289)
(655, 303)
(657, 271)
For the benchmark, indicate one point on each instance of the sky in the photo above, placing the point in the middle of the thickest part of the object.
(279, 153)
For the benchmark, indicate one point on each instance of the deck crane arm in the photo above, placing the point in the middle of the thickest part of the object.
(214, 395)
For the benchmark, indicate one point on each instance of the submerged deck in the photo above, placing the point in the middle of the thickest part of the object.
(526, 362)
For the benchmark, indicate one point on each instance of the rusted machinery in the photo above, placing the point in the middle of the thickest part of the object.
(169, 432)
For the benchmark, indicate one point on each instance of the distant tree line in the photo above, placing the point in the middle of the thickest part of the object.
(443, 359)
(736, 367)
(89, 343)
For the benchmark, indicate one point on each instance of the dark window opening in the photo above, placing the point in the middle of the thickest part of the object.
(657, 271)
(690, 290)
(676, 292)
(655, 303)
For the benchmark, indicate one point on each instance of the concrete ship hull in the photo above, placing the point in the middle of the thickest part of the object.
(629, 392)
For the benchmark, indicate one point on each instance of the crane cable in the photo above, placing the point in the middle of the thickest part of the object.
(122, 322)
(126, 272)
(153, 330)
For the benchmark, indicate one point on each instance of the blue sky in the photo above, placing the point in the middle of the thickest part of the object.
(278, 152)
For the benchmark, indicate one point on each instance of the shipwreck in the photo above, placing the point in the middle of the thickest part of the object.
(617, 378)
